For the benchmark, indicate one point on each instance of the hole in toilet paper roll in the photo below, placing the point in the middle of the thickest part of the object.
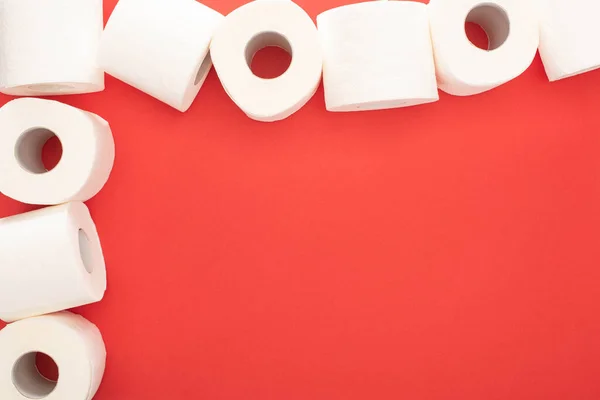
(477, 35)
(494, 22)
(38, 150)
(47, 367)
(203, 70)
(85, 251)
(269, 55)
(28, 380)
(52, 153)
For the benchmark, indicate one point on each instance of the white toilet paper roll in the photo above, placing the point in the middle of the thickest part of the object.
(261, 24)
(160, 47)
(463, 69)
(71, 341)
(87, 157)
(50, 47)
(50, 260)
(569, 30)
(377, 55)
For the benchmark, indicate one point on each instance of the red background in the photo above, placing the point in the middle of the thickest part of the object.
(446, 251)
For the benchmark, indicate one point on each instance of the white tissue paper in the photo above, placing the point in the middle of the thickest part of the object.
(49, 47)
(71, 341)
(569, 31)
(160, 47)
(377, 55)
(463, 69)
(252, 27)
(88, 152)
(50, 260)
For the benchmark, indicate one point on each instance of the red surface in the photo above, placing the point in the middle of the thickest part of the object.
(447, 251)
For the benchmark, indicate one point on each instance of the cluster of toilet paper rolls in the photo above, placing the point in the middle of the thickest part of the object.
(51, 259)
(372, 55)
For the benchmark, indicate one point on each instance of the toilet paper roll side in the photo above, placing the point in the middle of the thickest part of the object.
(50, 47)
(377, 55)
(51, 260)
(568, 33)
(160, 47)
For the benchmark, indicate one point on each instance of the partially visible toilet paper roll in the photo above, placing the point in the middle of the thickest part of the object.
(160, 47)
(50, 47)
(87, 157)
(569, 31)
(71, 341)
(50, 260)
(463, 69)
(377, 55)
(252, 27)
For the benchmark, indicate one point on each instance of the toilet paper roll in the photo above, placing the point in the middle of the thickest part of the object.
(463, 69)
(87, 157)
(71, 341)
(50, 47)
(377, 55)
(261, 24)
(569, 30)
(160, 47)
(50, 260)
